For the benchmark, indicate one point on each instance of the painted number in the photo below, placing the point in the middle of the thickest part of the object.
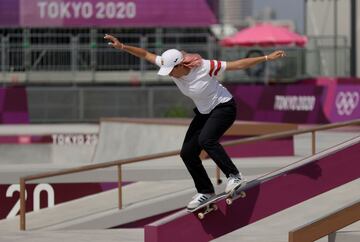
(36, 196)
(119, 10)
(9, 193)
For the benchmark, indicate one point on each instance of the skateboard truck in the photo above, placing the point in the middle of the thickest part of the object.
(209, 208)
(230, 199)
(237, 193)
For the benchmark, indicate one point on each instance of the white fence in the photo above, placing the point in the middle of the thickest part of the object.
(86, 57)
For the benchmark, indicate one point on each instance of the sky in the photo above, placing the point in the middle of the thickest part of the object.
(285, 9)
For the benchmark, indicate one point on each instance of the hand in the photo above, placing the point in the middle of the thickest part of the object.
(114, 42)
(276, 55)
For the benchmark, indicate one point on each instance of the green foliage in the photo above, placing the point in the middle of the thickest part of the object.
(176, 112)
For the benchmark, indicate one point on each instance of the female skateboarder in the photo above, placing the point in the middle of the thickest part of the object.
(215, 109)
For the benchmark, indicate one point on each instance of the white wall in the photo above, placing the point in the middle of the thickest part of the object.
(320, 17)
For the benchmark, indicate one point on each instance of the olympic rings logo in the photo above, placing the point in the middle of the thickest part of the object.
(346, 102)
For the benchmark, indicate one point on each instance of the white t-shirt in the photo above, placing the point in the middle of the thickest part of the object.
(202, 86)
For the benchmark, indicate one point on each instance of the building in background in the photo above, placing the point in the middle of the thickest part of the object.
(328, 23)
(235, 12)
(238, 14)
(54, 53)
(266, 14)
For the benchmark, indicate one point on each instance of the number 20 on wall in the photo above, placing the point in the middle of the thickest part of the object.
(40, 188)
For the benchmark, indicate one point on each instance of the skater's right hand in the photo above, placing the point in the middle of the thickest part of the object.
(276, 55)
(114, 42)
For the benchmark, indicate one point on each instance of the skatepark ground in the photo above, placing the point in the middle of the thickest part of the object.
(171, 171)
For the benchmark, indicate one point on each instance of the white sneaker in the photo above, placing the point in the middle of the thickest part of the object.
(234, 181)
(199, 199)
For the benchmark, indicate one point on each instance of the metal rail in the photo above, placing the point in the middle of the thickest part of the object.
(120, 163)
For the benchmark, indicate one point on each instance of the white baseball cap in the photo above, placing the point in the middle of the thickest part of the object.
(169, 59)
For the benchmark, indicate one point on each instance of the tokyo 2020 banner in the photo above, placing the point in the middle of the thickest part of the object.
(288, 103)
(103, 13)
(346, 103)
(326, 101)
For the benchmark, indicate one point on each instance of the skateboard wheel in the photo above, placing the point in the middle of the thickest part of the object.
(215, 207)
(228, 201)
(243, 194)
(201, 215)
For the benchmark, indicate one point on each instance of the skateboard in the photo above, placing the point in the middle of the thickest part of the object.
(211, 206)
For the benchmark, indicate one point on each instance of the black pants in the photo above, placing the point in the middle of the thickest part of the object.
(204, 132)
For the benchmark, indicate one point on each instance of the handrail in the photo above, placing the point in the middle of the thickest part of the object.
(120, 163)
(326, 225)
(291, 133)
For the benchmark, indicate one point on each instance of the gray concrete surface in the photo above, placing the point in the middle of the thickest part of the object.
(351, 228)
(166, 169)
(162, 203)
(351, 236)
(87, 212)
(29, 154)
(120, 140)
(350, 233)
(49, 153)
(47, 129)
(110, 235)
(275, 228)
(154, 170)
(324, 139)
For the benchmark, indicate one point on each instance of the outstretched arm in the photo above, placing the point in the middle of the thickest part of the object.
(249, 62)
(136, 51)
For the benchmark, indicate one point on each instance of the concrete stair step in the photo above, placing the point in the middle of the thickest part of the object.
(94, 204)
(110, 235)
